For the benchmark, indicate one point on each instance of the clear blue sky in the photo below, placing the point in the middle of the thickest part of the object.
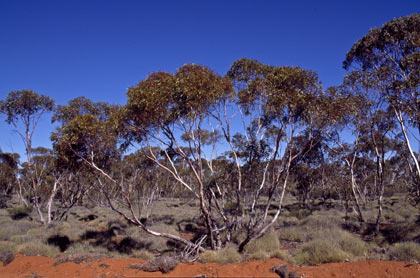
(97, 49)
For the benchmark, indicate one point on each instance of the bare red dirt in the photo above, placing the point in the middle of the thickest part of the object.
(37, 267)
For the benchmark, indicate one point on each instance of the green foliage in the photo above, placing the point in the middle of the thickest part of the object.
(88, 137)
(142, 254)
(282, 255)
(300, 213)
(19, 212)
(351, 244)
(18, 239)
(320, 251)
(400, 32)
(259, 256)
(223, 256)
(85, 247)
(322, 221)
(405, 251)
(6, 232)
(388, 58)
(24, 105)
(293, 233)
(7, 246)
(268, 243)
(8, 171)
(332, 246)
(401, 232)
(311, 227)
(37, 248)
(164, 98)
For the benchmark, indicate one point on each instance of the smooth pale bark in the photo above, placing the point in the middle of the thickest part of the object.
(134, 219)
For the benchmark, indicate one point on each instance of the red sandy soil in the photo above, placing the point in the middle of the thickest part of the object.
(37, 267)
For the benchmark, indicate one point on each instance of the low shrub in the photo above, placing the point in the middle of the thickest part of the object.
(37, 249)
(319, 221)
(85, 248)
(401, 232)
(19, 239)
(157, 244)
(238, 236)
(405, 251)
(259, 256)
(351, 244)
(7, 246)
(7, 231)
(282, 255)
(320, 251)
(300, 213)
(287, 221)
(393, 217)
(36, 232)
(267, 243)
(293, 233)
(74, 233)
(142, 254)
(17, 213)
(222, 256)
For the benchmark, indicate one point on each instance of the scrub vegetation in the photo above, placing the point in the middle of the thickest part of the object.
(261, 162)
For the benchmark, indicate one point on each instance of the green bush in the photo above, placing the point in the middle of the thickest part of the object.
(267, 243)
(74, 233)
(393, 217)
(282, 255)
(38, 232)
(293, 233)
(153, 243)
(238, 236)
(7, 231)
(405, 251)
(142, 254)
(312, 227)
(85, 248)
(17, 213)
(18, 239)
(37, 249)
(222, 256)
(259, 256)
(232, 207)
(351, 244)
(287, 221)
(320, 251)
(7, 246)
(300, 213)
(401, 232)
(321, 222)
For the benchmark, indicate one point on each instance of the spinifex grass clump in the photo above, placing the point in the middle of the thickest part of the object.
(334, 246)
(405, 251)
(224, 256)
(17, 213)
(37, 249)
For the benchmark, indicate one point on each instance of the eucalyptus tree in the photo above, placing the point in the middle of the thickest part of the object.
(8, 172)
(391, 56)
(48, 179)
(179, 120)
(285, 114)
(371, 143)
(23, 110)
(89, 135)
(165, 106)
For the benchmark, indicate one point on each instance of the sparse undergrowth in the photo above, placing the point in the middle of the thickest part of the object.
(405, 251)
(323, 235)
